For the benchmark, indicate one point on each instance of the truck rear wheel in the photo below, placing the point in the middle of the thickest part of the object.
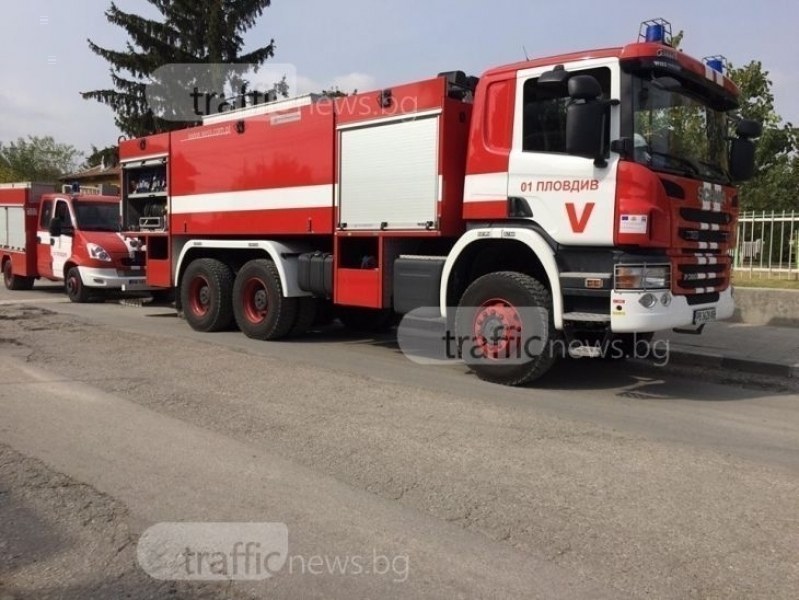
(74, 288)
(206, 295)
(504, 328)
(262, 312)
(15, 282)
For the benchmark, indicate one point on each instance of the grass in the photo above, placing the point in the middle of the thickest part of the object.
(743, 280)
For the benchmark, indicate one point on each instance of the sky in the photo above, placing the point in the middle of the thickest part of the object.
(366, 44)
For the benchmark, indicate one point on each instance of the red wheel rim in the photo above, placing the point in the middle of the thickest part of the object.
(255, 300)
(497, 329)
(199, 296)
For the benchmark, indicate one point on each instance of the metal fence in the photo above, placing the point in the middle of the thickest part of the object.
(768, 245)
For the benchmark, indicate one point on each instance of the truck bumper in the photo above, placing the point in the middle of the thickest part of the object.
(629, 315)
(110, 279)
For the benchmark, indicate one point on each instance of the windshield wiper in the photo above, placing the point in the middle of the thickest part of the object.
(688, 167)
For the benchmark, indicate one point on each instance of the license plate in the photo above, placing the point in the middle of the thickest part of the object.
(706, 315)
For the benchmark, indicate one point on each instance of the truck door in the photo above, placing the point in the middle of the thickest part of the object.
(44, 254)
(571, 198)
(61, 245)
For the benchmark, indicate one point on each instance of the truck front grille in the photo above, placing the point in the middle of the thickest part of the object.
(703, 237)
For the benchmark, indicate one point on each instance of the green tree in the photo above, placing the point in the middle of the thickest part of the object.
(7, 174)
(189, 31)
(36, 159)
(776, 183)
(108, 156)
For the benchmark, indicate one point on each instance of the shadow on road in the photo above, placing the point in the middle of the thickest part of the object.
(633, 379)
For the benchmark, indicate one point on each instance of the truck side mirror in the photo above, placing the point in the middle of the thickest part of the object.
(749, 129)
(56, 228)
(585, 119)
(584, 87)
(742, 159)
(742, 150)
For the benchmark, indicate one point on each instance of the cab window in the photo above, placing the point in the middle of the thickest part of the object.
(544, 118)
(62, 214)
(47, 214)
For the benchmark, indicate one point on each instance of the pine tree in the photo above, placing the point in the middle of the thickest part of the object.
(190, 31)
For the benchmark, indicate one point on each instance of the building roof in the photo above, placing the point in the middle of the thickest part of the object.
(94, 173)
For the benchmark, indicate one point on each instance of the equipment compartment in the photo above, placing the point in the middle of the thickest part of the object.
(145, 188)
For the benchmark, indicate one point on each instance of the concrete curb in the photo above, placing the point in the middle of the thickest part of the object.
(718, 361)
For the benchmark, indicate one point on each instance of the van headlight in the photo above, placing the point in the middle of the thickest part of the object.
(98, 252)
(643, 277)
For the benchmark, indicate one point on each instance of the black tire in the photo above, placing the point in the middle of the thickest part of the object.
(74, 288)
(366, 320)
(490, 306)
(262, 312)
(13, 282)
(206, 295)
(306, 315)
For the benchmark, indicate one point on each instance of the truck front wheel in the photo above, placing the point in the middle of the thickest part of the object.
(15, 282)
(504, 328)
(262, 312)
(206, 295)
(74, 288)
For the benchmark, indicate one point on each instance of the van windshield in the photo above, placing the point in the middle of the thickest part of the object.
(97, 216)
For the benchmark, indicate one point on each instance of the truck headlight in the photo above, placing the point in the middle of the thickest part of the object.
(643, 277)
(98, 253)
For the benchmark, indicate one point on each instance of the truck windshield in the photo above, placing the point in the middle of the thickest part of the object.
(678, 132)
(97, 216)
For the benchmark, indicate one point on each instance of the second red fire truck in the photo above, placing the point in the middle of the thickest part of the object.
(595, 187)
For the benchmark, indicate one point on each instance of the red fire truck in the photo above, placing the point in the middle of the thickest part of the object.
(71, 237)
(595, 186)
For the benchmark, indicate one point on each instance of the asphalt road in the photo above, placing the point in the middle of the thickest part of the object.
(603, 481)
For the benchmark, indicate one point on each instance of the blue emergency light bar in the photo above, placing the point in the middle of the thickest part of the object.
(717, 63)
(655, 31)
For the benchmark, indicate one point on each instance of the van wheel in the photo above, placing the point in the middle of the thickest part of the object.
(74, 288)
(262, 312)
(504, 328)
(15, 282)
(206, 295)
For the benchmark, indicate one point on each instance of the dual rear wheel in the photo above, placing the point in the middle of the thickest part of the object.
(213, 298)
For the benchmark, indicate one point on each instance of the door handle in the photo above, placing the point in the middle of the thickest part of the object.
(52, 241)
